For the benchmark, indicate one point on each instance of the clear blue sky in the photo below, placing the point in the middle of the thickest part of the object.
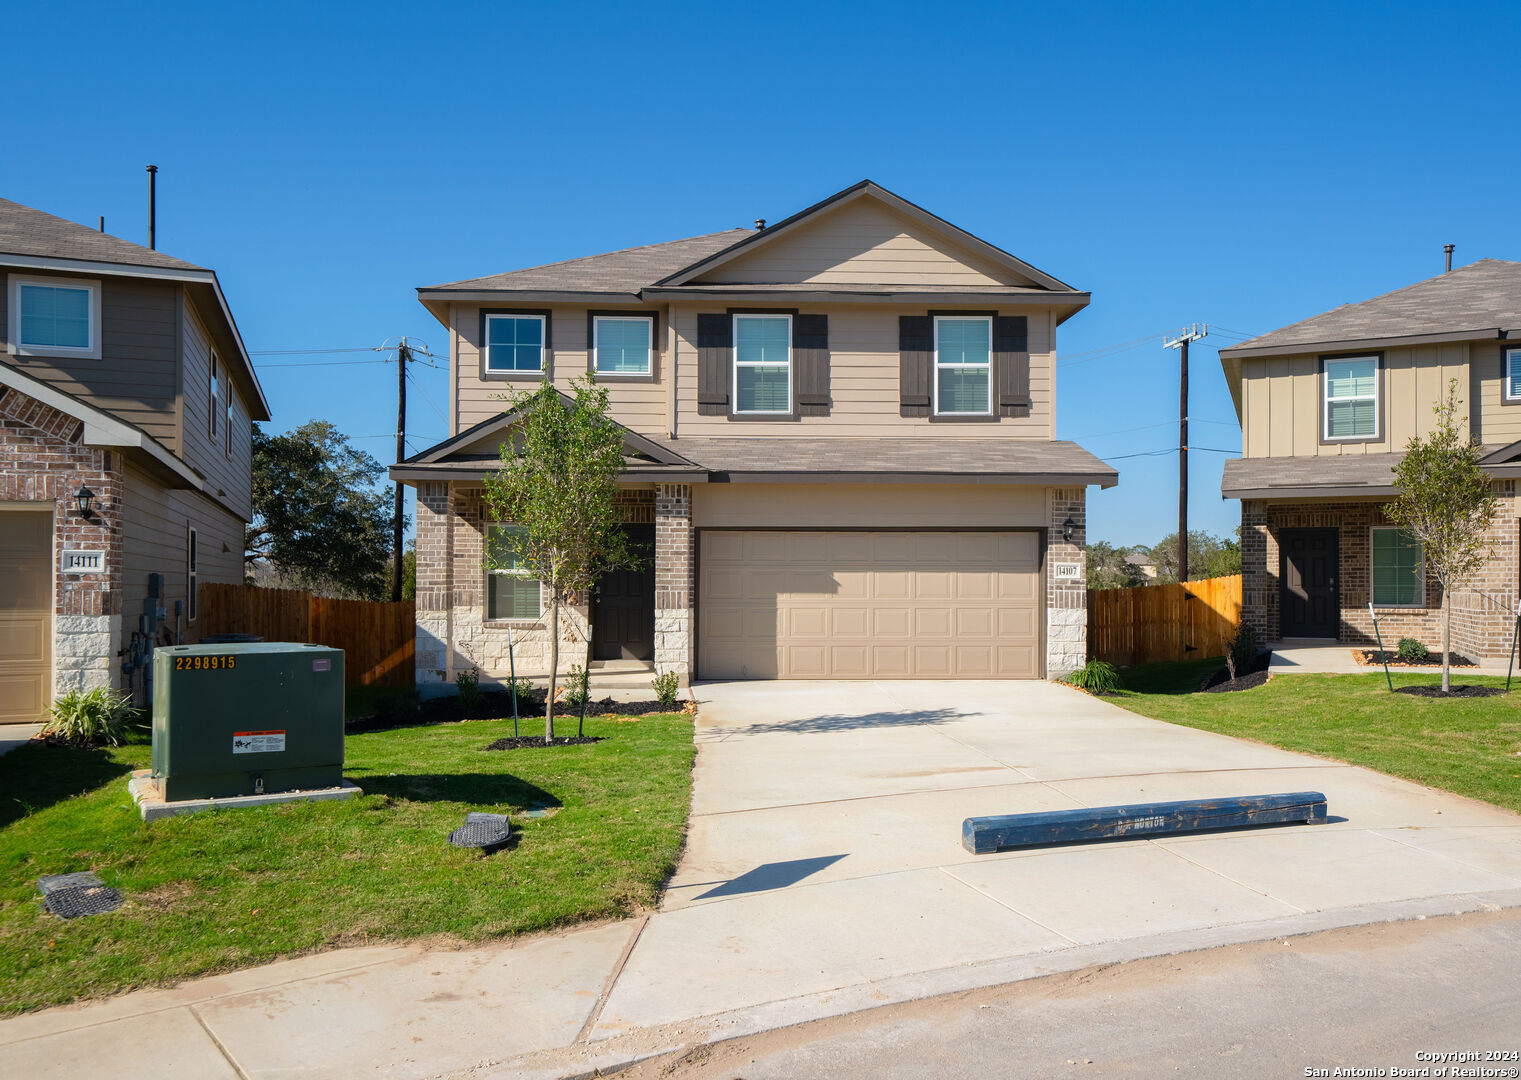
(1245, 165)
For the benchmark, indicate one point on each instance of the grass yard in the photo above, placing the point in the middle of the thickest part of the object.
(214, 891)
(1471, 746)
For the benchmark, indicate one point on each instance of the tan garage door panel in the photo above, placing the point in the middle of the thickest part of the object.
(869, 605)
(26, 603)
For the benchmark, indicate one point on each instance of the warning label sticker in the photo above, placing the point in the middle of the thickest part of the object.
(257, 742)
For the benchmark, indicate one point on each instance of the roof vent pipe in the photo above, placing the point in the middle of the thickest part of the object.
(1448, 249)
(153, 207)
(102, 223)
(760, 223)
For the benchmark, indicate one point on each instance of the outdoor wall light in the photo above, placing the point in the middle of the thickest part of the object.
(82, 499)
(1067, 527)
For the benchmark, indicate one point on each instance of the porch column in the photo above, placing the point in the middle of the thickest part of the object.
(434, 581)
(674, 551)
(1066, 583)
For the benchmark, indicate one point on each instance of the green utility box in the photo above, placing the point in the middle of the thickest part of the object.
(246, 719)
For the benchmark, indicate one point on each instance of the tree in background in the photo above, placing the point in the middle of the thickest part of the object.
(1107, 568)
(1208, 556)
(408, 572)
(319, 519)
(557, 483)
(1445, 501)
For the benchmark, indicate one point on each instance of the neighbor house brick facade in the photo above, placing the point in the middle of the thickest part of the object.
(122, 376)
(1327, 407)
(839, 446)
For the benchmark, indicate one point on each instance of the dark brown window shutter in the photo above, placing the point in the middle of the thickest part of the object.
(714, 344)
(1011, 363)
(810, 355)
(916, 364)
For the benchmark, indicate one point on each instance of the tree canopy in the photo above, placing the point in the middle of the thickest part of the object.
(319, 518)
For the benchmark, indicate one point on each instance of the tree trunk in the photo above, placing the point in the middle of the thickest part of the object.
(1446, 639)
(554, 668)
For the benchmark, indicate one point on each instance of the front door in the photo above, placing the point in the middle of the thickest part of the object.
(1310, 604)
(623, 604)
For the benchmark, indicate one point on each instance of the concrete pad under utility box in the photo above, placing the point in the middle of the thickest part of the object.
(152, 805)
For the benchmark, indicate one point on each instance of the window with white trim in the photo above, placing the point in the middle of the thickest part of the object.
(1399, 568)
(229, 418)
(192, 575)
(515, 343)
(1512, 388)
(762, 365)
(512, 592)
(622, 344)
(963, 365)
(54, 317)
(1351, 398)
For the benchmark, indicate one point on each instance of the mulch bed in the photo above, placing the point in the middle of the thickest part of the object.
(536, 742)
(1374, 658)
(1247, 678)
(1457, 691)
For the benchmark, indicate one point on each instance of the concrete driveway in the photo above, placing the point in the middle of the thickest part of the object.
(824, 848)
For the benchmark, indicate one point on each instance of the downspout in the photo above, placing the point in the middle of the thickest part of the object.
(674, 368)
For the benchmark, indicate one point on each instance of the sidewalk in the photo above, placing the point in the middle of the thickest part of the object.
(1307, 657)
(823, 875)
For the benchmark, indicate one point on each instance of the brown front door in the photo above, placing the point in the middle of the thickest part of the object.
(1310, 605)
(623, 604)
(26, 608)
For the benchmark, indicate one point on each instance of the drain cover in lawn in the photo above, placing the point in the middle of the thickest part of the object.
(71, 895)
(482, 831)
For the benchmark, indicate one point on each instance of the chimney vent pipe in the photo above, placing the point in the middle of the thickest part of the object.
(153, 207)
(1448, 249)
(760, 223)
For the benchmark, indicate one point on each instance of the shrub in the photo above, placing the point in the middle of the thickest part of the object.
(1410, 650)
(90, 717)
(521, 688)
(469, 684)
(1096, 677)
(1241, 650)
(667, 687)
(397, 707)
(576, 691)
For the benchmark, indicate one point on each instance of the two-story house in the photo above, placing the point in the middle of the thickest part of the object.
(126, 402)
(1327, 406)
(840, 450)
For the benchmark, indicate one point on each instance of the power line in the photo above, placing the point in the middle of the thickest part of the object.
(321, 363)
(1168, 450)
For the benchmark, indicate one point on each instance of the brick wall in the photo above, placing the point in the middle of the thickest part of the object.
(1066, 597)
(42, 461)
(674, 587)
(1482, 618)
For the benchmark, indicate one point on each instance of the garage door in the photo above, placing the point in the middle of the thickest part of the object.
(26, 601)
(868, 605)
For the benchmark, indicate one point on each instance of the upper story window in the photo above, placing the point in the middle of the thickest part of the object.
(763, 364)
(963, 366)
(622, 345)
(512, 592)
(1351, 397)
(55, 317)
(213, 405)
(228, 426)
(1512, 388)
(515, 343)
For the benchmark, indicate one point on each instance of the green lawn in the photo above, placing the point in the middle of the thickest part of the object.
(1471, 746)
(213, 891)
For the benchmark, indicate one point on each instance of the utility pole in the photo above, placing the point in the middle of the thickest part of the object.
(403, 356)
(1193, 333)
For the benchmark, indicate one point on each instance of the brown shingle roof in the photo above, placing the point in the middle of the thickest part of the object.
(26, 231)
(625, 271)
(1333, 475)
(1485, 295)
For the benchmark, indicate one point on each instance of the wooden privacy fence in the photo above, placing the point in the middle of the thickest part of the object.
(1152, 623)
(378, 639)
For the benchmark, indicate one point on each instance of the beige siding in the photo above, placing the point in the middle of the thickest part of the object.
(640, 405)
(1499, 423)
(224, 472)
(864, 380)
(155, 521)
(862, 242)
(1282, 405)
(867, 505)
(135, 375)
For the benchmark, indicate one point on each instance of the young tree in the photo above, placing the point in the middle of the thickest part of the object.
(318, 516)
(1446, 503)
(557, 482)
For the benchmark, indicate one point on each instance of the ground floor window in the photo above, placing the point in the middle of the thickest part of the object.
(512, 592)
(1399, 568)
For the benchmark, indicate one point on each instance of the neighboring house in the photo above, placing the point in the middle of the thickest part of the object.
(123, 377)
(1327, 406)
(840, 439)
(1142, 564)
